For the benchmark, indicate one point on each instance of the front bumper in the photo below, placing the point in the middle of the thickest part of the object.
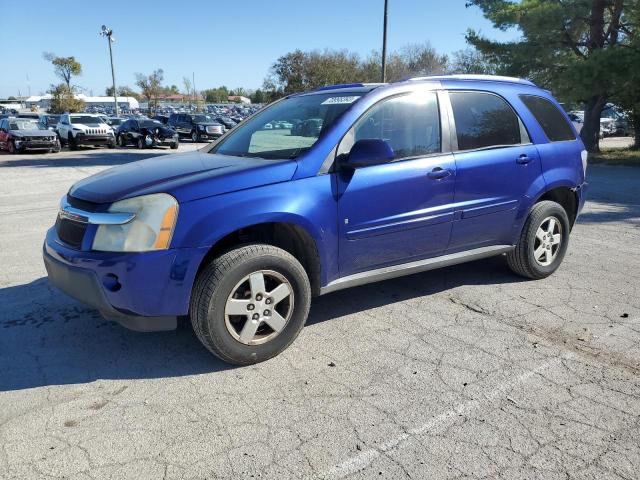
(23, 145)
(143, 291)
(82, 139)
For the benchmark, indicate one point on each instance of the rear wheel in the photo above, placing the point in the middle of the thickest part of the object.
(250, 303)
(543, 241)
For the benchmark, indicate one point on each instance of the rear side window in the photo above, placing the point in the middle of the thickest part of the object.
(552, 121)
(483, 120)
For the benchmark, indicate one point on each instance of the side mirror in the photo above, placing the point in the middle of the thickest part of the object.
(368, 152)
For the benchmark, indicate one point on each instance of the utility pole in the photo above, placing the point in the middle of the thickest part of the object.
(108, 33)
(193, 85)
(384, 43)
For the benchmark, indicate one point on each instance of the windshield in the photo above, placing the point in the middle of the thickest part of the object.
(202, 118)
(288, 128)
(20, 124)
(115, 121)
(85, 119)
(53, 119)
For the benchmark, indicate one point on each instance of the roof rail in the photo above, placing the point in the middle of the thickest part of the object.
(473, 77)
(347, 85)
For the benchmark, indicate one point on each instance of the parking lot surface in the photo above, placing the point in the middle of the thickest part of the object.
(468, 371)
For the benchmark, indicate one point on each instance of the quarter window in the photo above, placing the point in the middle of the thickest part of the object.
(552, 121)
(484, 120)
(410, 124)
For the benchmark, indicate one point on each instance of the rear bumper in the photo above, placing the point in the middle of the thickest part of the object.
(581, 194)
(142, 291)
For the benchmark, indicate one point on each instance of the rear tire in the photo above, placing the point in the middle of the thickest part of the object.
(543, 241)
(229, 279)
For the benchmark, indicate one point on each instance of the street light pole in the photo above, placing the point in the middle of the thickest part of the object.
(384, 44)
(107, 32)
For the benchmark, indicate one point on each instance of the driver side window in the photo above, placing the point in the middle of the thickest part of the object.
(410, 124)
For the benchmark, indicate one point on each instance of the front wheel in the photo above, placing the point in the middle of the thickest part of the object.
(140, 143)
(174, 146)
(543, 241)
(250, 303)
(195, 137)
(11, 147)
(120, 141)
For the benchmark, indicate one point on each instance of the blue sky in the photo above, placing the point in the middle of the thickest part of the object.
(231, 45)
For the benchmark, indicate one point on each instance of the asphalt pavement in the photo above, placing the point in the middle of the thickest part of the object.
(468, 371)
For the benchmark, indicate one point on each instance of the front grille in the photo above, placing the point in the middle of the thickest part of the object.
(70, 232)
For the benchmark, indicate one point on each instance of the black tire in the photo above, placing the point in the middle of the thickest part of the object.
(140, 143)
(73, 145)
(120, 141)
(11, 147)
(174, 146)
(216, 282)
(111, 144)
(195, 137)
(522, 260)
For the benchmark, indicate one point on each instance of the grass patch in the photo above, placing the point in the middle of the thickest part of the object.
(616, 156)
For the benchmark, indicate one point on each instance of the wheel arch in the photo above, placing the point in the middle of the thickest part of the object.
(564, 194)
(291, 237)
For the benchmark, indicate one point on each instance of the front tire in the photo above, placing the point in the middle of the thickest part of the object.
(71, 141)
(11, 147)
(120, 141)
(195, 137)
(174, 146)
(250, 303)
(543, 241)
(140, 143)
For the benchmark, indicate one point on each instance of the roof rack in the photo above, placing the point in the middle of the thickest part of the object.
(347, 85)
(472, 77)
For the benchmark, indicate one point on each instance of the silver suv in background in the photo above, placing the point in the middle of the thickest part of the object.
(75, 129)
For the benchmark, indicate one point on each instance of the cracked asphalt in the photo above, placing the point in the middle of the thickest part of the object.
(464, 372)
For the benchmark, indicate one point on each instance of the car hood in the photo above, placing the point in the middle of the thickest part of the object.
(186, 176)
(31, 133)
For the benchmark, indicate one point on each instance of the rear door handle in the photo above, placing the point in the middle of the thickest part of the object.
(523, 159)
(439, 173)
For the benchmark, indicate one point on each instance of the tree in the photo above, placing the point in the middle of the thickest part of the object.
(124, 91)
(258, 96)
(151, 86)
(471, 61)
(216, 95)
(564, 46)
(63, 100)
(64, 67)
(188, 88)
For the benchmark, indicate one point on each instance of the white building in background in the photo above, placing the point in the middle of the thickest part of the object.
(43, 101)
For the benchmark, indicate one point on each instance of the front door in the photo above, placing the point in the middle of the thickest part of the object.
(402, 210)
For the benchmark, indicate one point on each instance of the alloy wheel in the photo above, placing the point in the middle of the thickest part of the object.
(259, 307)
(548, 241)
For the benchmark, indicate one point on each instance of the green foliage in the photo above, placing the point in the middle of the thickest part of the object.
(64, 67)
(299, 71)
(216, 95)
(571, 47)
(63, 100)
(124, 91)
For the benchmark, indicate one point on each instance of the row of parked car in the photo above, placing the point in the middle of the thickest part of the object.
(49, 132)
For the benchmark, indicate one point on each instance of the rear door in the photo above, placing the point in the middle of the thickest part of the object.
(496, 165)
(402, 210)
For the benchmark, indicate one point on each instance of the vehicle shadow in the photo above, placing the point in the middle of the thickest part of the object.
(83, 157)
(47, 338)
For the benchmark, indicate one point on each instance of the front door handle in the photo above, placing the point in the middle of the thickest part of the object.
(439, 173)
(523, 159)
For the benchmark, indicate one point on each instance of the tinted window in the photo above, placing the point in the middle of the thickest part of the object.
(552, 121)
(483, 120)
(410, 124)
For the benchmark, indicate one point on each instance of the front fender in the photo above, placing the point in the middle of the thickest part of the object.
(308, 203)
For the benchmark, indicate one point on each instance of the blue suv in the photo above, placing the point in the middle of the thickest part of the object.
(393, 179)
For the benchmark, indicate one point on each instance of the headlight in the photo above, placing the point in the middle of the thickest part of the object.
(151, 229)
(200, 127)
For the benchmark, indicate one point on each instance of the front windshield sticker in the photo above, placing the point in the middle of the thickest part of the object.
(340, 100)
